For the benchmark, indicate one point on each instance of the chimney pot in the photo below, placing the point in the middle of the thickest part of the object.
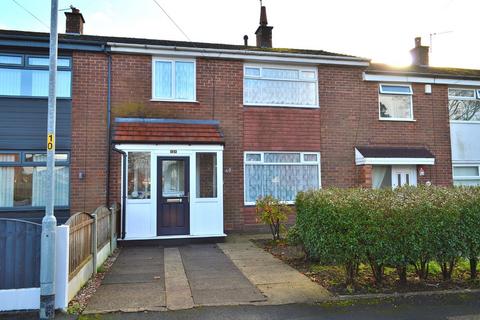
(420, 53)
(264, 32)
(245, 40)
(75, 21)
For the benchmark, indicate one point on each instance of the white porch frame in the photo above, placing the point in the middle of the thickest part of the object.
(206, 214)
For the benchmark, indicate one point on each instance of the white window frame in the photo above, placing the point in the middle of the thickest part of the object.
(285, 67)
(173, 61)
(466, 178)
(384, 92)
(262, 162)
(477, 97)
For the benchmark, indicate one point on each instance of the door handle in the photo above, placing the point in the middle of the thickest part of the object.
(174, 200)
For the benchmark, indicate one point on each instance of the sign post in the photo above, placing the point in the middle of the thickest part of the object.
(49, 222)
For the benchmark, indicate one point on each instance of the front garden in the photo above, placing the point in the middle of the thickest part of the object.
(355, 241)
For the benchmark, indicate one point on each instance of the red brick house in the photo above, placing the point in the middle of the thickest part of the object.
(187, 135)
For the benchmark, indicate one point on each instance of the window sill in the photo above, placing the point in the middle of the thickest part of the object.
(465, 121)
(175, 101)
(280, 106)
(398, 120)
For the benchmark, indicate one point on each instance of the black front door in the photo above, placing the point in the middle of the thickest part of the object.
(173, 196)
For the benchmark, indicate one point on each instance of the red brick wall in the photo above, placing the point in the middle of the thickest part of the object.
(89, 131)
(349, 113)
(219, 96)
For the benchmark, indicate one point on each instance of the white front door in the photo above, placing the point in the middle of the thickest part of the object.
(404, 175)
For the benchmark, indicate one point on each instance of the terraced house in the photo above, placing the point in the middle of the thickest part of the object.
(186, 136)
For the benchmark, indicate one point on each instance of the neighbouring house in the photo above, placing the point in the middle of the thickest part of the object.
(188, 135)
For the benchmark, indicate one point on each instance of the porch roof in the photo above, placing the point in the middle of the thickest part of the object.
(378, 155)
(166, 131)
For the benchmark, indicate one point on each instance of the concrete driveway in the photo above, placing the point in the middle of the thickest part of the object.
(174, 278)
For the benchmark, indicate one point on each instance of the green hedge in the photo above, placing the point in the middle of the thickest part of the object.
(395, 228)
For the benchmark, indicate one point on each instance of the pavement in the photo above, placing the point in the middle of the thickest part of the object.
(177, 278)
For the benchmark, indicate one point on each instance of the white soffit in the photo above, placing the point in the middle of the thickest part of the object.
(416, 79)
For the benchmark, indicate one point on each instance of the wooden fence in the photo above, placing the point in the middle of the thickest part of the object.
(88, 234)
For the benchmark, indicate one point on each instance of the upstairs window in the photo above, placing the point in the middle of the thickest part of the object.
(27, 76)
(173, 80)
(464, 104)
(395, 102)
(280, 86)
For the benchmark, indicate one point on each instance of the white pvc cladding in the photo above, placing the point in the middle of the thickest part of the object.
(417, 79)
(247, 55)
(361, 160)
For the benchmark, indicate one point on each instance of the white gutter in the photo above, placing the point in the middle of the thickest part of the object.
(415, 79)
(252, 55)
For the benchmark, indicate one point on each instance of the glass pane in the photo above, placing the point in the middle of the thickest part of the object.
(464, 110)
(274, 92)
(459, 182)
(308, 75)
(173, 178)
(465, 171)
(6, 59)
(280, 181)
(25, 82)
(42, 157)
(395, 89)
(254, 72)
(310, 157)
(282, 157)
(463, 93)
(382, 177)
(184, 80)
(280, 73)
(139, 175)
(45, 62)
(10, 82)
(253, 157)
(395, 106)
(163, 79)
(407, 179)
(26, 186)
(206, 175)
(9, 157)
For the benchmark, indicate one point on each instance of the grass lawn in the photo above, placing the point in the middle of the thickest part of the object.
(332, 277)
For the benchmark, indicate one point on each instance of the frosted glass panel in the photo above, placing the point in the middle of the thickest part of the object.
(163, 79)
(184, 80)
(282, 157)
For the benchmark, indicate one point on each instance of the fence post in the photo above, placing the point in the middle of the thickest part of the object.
(112, 217)
(94, 243)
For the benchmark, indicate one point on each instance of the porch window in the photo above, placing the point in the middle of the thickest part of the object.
(206, 175)
(23, 180)
(466, 175)
(381, 177)
(285, 86)
(395, 102)
(173, 80)
(464, 104)
(280, 174)
(139, 175)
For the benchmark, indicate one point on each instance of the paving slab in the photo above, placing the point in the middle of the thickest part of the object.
(279, 282)
(214, 279)
(178, 293)
(136, 282)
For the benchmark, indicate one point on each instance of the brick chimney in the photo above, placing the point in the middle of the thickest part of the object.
(75, 21)
(264, 32)
(419, 53)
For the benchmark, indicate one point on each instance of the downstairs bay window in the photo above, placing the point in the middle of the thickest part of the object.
(23, 180)
(280, 174)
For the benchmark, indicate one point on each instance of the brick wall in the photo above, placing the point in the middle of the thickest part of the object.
(219, 96)
(89, 131)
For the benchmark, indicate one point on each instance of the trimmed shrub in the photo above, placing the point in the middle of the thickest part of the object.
(396, 228)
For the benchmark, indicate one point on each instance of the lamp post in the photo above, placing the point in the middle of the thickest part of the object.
(49, 222)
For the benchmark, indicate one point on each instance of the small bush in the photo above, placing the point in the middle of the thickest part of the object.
(394, 228)
(273, 213)
(293, 236)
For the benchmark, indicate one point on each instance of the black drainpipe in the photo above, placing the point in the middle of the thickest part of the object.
(109, 135)
(124, 190)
